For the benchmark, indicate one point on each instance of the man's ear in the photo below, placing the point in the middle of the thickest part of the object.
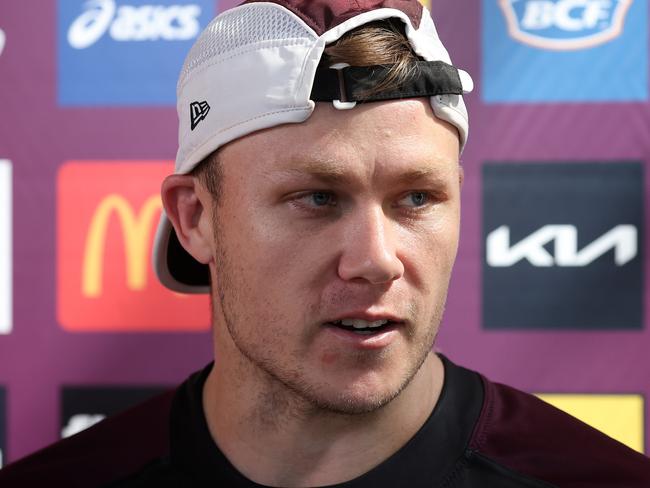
(189, 215)
(461, 176)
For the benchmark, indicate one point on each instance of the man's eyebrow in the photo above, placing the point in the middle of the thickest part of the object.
(333, 171)
(329, 171)
(428, 173)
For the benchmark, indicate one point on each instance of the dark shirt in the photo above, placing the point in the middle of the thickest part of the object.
(480, 434)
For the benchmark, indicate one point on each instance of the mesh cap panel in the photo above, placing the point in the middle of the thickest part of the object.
(241, 27)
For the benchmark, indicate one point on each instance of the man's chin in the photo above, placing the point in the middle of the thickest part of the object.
(351, 395)
(347, 391)
(359, 390)
(351, 403)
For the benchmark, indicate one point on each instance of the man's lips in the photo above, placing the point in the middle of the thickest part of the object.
(366, 338)
(364, 330)
(366, 316)
(363, 326)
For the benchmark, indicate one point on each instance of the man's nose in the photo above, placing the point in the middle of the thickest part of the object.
(370, 249)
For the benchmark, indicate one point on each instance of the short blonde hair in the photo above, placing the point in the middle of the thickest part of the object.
(381, 43)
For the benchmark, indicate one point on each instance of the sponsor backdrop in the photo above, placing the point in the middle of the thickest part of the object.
(83, 406)
(3, 424)
(550, 289)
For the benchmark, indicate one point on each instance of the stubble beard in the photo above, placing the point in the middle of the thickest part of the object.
(288, 389)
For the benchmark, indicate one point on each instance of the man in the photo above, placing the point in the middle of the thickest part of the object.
(317, 199)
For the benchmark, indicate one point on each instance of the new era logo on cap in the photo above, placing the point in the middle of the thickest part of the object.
(198, 112)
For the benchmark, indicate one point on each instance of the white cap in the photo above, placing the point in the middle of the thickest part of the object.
(253, 67)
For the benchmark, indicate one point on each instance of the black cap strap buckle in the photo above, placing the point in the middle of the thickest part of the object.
(346, 85)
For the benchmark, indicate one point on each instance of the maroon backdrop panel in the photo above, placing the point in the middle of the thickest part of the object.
(550, 289)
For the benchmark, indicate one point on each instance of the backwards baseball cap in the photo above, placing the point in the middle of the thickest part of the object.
(257, 66)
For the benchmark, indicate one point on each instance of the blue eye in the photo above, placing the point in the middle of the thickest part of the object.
(415, 199)
(317, 203)
(419, 198)
(321, 199)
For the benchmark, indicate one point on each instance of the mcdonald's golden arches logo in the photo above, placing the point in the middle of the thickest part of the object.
(107, 213)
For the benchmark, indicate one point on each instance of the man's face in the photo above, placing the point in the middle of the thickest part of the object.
(350, 216)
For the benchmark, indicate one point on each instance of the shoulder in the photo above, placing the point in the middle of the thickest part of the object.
(529, 436)
(111, 449)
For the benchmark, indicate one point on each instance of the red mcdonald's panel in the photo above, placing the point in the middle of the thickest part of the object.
(107, 213)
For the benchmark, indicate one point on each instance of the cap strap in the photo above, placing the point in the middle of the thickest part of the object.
(350, 84)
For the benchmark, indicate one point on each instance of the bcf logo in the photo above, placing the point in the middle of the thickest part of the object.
(565, 24)
(556, 51)
(125, 52)
(107, 214)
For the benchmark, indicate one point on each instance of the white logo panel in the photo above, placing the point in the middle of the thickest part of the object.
(501, 253)
(6, 237)
(565, 24)
(133, 23)
(79, 422)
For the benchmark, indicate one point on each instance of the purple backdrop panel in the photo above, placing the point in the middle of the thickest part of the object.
(53, 113)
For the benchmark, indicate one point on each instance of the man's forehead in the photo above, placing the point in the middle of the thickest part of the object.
(339, 171)
(406, 142)
(408, 122)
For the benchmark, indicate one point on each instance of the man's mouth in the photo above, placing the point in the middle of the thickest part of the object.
(363, 327)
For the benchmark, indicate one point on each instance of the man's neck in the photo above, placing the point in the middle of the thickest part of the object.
(276, 438)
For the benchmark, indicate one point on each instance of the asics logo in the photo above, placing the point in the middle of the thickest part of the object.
(198, 112)
(133, 23)
(565, 24)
